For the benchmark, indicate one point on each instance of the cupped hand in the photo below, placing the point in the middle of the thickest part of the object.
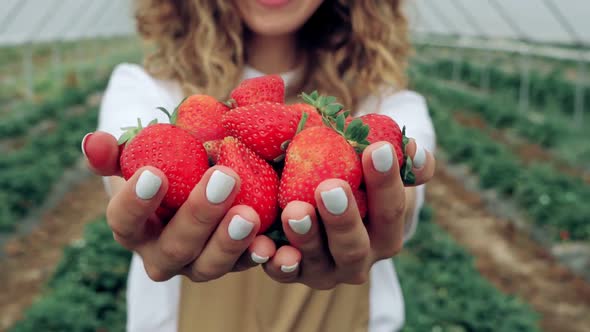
(334, 245)
(204, 240)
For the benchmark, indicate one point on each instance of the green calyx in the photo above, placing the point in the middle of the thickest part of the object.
(408, 177)
(334, 116)
(174, 115)
(131, 132)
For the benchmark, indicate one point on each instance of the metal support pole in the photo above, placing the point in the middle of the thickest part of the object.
(56, 62)
(485, 72)
(457, 60)
(523, 101)
(579, 95)
(28, 71)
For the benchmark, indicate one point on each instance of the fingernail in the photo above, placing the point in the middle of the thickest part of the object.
(147, 185)
(300, 226)
(335, 200)
(83, 145)
(290, 268)
(219, 187)
(419, 158)
(382, 158)
(239, 228)
(259, 259)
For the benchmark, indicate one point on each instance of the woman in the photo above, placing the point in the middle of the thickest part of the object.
(335, 278)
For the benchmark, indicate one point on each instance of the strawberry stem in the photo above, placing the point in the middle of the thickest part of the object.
(165, 111)
(301, 125)
(334, 117)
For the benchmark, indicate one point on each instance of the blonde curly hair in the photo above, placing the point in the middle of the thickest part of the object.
(356, 46)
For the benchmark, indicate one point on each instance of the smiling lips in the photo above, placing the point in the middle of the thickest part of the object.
(273, 3)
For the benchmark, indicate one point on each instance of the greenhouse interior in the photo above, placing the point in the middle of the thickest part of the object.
(502, 237)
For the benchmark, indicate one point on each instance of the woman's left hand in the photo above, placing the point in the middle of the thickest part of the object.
(343, 248)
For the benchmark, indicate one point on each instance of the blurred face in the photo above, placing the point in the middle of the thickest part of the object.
(276, 17)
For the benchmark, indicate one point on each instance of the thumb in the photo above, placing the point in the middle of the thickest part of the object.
(102, 153)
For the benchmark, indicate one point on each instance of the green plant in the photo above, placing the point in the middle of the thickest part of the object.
(444, 292)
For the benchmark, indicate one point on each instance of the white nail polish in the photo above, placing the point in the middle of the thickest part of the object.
(290, 268)
(147, 185)
(259, 259)
(239, 228)
(82, 144)
(335, 200)
(301, 226)
(219, 187)
(419, 158)
(382, 158)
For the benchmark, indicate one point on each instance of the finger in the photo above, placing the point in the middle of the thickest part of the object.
(301, 227)
(347, 237)
(386, 198)
(188, 231)
(259, 252)
(129, 210)
(231, 239)
(423, 162)
(102, 153)
(284, 265)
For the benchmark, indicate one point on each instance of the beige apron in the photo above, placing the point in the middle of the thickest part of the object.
(252, 302)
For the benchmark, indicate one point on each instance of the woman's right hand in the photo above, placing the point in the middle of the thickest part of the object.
(204, 240)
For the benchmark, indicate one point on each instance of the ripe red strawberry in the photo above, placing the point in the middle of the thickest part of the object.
(384, 128)
(213, 148)
(172, 150)
(263, 127)
(270, 88)
(361, 132)
(314, 119)
(260, 182)
(317, 154)
(201, 116)
(361, 201)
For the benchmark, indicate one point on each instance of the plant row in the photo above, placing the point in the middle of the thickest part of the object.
(550, 131)
(28, 174)
(554, 202)
(550, 90)
(442, 289)
(498, 110)
(24, 114)
(87, 290)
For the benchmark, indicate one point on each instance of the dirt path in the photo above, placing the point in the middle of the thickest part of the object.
(513, 262)
(30, 260)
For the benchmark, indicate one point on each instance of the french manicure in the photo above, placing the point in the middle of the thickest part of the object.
(382, 158)
(239, 228)
(219, 187)
(259, 259)
(301, 226)
(335, 200)
(419, 158)
(147, 185)
(83, 145)
(289, 268)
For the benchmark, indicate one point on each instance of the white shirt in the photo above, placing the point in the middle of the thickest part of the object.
(153, 306)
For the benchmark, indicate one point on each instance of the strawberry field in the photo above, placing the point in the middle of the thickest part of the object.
(518, 183)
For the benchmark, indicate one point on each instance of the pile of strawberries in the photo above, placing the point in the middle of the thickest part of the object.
(281, 152)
